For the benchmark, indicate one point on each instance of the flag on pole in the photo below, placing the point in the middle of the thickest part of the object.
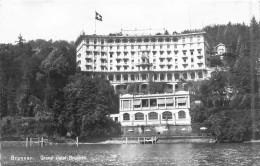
(98, 17)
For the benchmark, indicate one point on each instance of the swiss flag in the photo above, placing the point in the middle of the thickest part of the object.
(98, 17)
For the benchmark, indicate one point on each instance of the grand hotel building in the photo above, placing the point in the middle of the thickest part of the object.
(129, 59)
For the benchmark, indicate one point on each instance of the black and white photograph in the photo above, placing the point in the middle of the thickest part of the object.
(129, 82)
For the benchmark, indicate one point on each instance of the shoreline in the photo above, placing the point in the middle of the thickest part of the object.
(123, 141)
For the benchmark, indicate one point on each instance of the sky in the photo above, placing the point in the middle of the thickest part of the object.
(66, 19)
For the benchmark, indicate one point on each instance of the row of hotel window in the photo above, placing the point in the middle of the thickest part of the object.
(126, 60)
(118, 68)
(139, 40)
(144, 47)
(154, 116)
(125, 68)
(184, 52)
(154, 103)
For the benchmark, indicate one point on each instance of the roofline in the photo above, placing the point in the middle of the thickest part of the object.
(135, 36)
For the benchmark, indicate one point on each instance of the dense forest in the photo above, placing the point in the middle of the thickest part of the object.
(41, 93)
(230, 98)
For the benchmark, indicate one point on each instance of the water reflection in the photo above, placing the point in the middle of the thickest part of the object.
(195, 154)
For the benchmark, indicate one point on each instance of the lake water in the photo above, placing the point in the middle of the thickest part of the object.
(181, 154)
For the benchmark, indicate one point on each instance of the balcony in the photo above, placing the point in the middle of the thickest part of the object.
(185, 57)
(144, 64)
(199, 55)
(103, 64)
(103, 57)
(200, 62)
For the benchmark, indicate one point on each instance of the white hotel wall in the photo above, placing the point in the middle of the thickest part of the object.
(174, 121)
(174, 109)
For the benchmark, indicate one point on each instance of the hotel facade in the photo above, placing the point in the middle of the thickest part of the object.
(128, 59)
(154, 109)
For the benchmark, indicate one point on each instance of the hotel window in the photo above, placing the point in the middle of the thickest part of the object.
(154, 52)
(94, 68)
(111, 47)
(192, 66)
(118, 68)
(153, 103)
(192, 75)
(132, 53)
(132, 68)
(125, 47)
(95, 47)
(198, 38)
(146, 47)
(111, 61)
(161, 59)
(191, 39)
(79, 55)
(154, 67)
(167, 115)
(126, 104)
(155, 76)
(144, 102)
(175, 52)
(200, 74)
(126, 116)
(169, 67)
(153, 116)
(176, 67)
(183, 45)
(185, 76)
(118, 47)
(175, 45)
(139, 116)
(87, 41)
(199, 51)
(169, 102)
(181, 101)
(191, 52)
(168, 46)
(154, 60)
(161, 46)
(184, 52)
(181, 115)
(168, 52)
(161, 102)
(137, 103)
(111, 68)
(183, 40)
(125, 67)
(132, 60)
(153, 46)
(192, 60)
(139, 47)
(132, 47)
(161, 52)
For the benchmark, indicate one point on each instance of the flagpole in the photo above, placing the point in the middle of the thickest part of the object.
(95, 22)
